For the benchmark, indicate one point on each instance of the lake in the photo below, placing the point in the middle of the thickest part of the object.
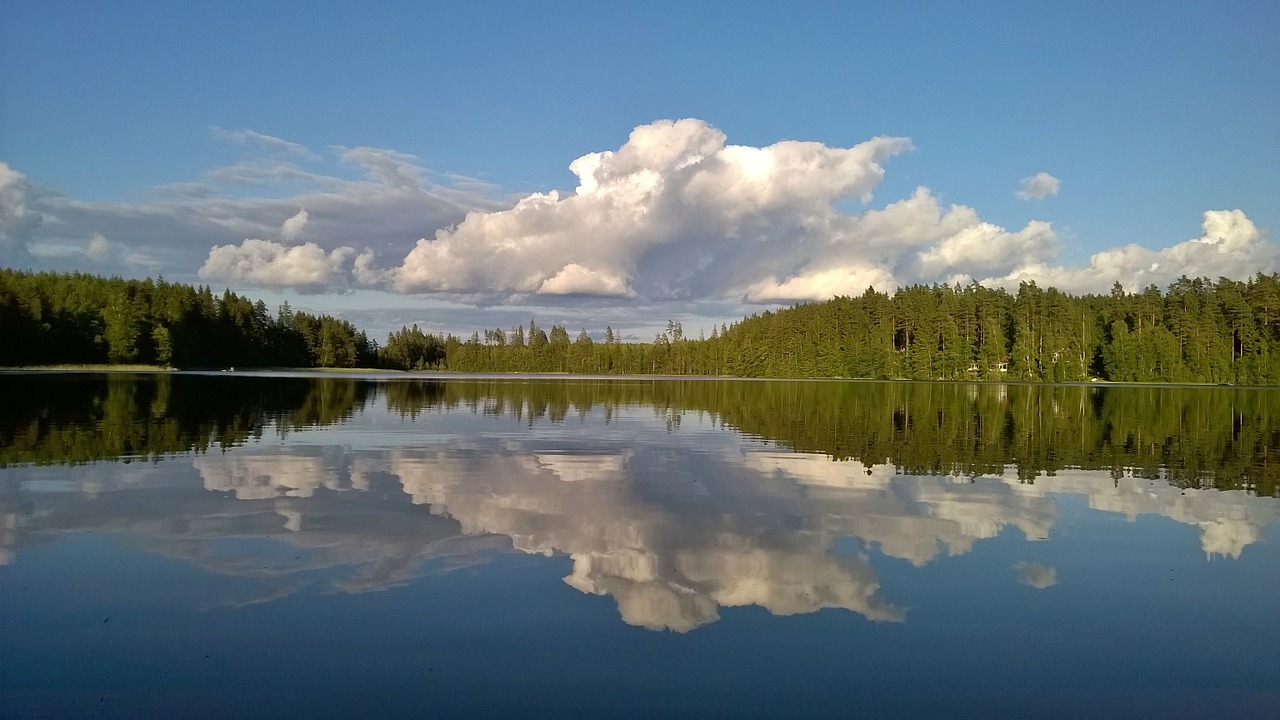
(267, 545)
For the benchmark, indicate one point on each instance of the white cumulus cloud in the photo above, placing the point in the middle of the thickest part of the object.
(677, 213)
(674, 212)
(576, 279)
(1039, 186)
(17, 218)
(293, 226)
(264, 263)
(173, 232)
(1231, 246)
(99, 248)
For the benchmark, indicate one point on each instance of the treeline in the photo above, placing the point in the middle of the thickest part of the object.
(1198, 331)
(1189, 437)
(61, 318)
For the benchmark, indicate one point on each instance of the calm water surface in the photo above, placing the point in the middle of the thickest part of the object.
(221, 545)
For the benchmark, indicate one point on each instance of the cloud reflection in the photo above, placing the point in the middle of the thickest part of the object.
(674, 524)
(671, 552)
(1036, 575)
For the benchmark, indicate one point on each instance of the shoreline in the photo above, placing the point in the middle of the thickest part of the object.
(519, 376)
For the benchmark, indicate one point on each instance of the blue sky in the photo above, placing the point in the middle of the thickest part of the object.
(123, 133)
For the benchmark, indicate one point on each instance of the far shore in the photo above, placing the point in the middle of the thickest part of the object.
(460, 375)
(126, 368)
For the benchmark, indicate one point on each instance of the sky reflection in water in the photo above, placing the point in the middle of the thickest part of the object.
(662, 509)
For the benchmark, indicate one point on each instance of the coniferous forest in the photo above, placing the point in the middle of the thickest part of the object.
(1195, 331)
(1198, 331)
(59, 318)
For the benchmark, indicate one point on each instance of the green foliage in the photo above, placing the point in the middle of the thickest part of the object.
(1199, 332)
(412, 349)
(59, 318)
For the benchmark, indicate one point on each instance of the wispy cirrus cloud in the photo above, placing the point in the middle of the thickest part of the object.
(269, 143)
(386, 167)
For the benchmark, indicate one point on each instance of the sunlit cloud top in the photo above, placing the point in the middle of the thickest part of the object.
(676, 213)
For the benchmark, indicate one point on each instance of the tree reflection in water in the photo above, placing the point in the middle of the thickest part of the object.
(674, 498)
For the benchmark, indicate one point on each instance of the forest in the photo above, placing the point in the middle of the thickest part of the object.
(61, 318)
(1196, 331)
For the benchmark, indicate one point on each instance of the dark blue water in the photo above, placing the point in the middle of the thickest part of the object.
(343, 556)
